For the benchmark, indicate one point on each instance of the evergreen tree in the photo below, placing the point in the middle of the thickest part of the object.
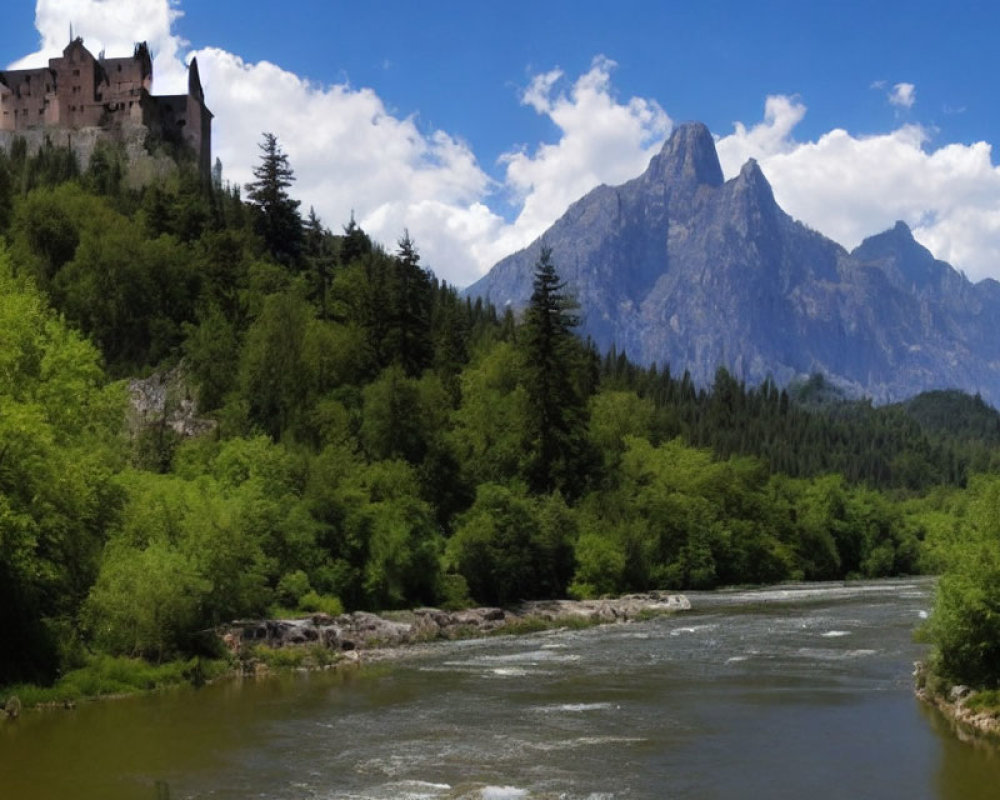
(556, 428)
(277, 217)
(410, 300)
(320, 259)
(355, 243)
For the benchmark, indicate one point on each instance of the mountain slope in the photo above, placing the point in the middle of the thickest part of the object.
(678, 266)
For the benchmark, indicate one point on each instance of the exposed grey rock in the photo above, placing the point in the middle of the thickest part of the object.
(362, 630)
(166, 398)
(958, 693)
(678, 267)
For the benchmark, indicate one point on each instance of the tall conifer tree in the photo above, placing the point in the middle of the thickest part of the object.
(277, 219)
(557, 429)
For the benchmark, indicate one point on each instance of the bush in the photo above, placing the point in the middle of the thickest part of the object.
(292, 587)
(322, 603)
(965, 624)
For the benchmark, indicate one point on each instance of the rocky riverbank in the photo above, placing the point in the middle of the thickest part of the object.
(968, 718)
(361, 630)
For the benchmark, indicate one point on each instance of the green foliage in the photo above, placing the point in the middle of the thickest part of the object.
(146, 601)
(381, 442)
(490, 424)
(291, 587)
(600, 566)
(965, 623)
(273, 374)
(58, 450)
(105, 675)
(312, 602)
(511, 548)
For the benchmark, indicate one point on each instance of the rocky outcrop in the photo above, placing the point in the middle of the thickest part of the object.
(144, 167)
(678, 267)
(362, 630)
(165, 398)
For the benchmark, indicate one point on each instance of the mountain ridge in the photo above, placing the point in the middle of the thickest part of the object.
(678, 266)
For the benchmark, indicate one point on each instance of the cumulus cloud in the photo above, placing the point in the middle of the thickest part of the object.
(903, 95)
(350, 153)
(114, 26)
(849, 187)
(601, 141)
(770, 137)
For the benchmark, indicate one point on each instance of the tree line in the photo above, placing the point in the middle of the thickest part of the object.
(380, 441)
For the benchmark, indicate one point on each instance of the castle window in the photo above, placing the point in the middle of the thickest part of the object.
(76, 73)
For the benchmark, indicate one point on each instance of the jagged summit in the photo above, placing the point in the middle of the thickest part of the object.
(751, 173)
(680, 268)
(902, 257)
(751, 183)
(688, 157)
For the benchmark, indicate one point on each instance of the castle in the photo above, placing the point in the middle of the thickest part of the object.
(79, 99)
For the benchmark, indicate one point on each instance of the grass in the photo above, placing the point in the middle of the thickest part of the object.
(104, 676)
(987, 700)
(536, 624)
(308, 656)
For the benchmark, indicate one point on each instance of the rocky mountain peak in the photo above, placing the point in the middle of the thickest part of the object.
(901, 229)
(678, 267)
(751, 182)
(902, 257)
(688, 158)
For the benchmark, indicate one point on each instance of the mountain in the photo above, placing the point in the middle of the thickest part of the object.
(680, 267)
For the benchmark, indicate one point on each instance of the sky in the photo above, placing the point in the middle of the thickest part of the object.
(474, 125)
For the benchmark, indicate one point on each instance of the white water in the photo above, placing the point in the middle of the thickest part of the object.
(781, 693)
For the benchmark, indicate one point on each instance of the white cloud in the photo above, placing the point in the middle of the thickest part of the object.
(601, 141)
(350, 153)
(850, 187)
(903, 95)
(768, 138)
(114, 26)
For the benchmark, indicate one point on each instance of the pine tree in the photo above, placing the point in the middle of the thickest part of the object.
(321, 260)
(277, 218)
(559, 455)
(355, 244)
(410, 301)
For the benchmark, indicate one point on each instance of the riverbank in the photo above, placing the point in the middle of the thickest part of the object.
(321, 641)
(972, 714)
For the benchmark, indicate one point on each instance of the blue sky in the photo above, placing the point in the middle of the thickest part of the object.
(474, 124)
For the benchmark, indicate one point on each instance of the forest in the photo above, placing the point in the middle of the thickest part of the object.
(377, 441)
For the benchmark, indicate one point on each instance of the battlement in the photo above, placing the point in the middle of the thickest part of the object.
(78, 91)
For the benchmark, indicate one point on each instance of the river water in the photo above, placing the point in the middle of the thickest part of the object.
(798, 692)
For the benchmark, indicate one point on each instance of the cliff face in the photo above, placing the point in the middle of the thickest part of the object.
(678, 266)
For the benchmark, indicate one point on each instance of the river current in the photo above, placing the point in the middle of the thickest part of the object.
(798, 692)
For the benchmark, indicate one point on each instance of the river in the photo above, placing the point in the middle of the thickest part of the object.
(800, 692)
